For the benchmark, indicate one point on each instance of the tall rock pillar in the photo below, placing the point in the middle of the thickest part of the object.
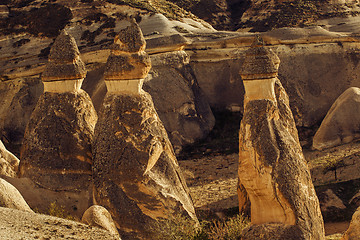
(56, 152)
(135, 172)
(272, 169)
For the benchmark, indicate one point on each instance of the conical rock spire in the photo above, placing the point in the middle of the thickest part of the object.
(128, 60)
(260, 62)
(64, 60)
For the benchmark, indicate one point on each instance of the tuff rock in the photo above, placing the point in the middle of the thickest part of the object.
(56, 152)
(10, 197)
(9, 163)
(136, 175)
(272, 169)
(340, 125)
(353, 233)
(100, 217)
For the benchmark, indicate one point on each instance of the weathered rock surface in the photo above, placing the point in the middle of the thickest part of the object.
(272, 168)
(340, 125)
(56, 152)
(10, 197)
(9, 163)
(98, 216)
(136, 175)
(72, 203)
(353, 232)
(16, 224)
(178, 99)
(135, 172)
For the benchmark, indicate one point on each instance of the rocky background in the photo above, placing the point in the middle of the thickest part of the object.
(197, 49)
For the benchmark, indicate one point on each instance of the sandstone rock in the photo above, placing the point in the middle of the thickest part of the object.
(56, 152)
(136, 175)
(17, 224)
(179, 101)
(99, 217)
(11, 198)
(9, 163)
(272, 168)
(353, 232)
(340, 125)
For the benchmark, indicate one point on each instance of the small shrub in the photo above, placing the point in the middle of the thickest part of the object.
(180, 227)
(59, 211)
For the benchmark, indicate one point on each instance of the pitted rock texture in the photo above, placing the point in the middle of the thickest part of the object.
(16, 224)
(64, 60)
(273, 169)
(56, 153)
(10, 197)
(128, 59)
(341, 124)
(9, 163)
(136, 175)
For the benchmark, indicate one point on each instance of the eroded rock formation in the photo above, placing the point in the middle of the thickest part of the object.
(10, 197)
(181, 104)
(340, 125)
(9, 163)
(98, 216)
(272, 169)
(56, 153)
(353, 233)
(136, 175)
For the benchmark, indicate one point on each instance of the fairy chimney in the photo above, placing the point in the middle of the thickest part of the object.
(135, 172)
(56, 152)
(273, 172)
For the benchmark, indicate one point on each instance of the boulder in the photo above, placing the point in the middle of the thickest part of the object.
(353, 232)
(340, 125)
(10, 197)
(56, 152)
(16, 224)
(135, 171)
(272, 168)
(9, 163)
(98, 216)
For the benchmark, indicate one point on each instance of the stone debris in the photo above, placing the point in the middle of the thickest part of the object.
(56, 152)
(16, 224)
(135, 171)
(273, 172)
